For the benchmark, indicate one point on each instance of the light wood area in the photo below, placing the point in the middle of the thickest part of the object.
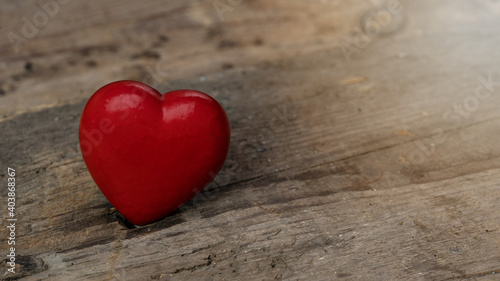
(353, 156)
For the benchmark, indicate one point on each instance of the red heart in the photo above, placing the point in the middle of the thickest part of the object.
(150, 153)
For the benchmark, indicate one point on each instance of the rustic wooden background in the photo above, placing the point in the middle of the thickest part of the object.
(353, 157)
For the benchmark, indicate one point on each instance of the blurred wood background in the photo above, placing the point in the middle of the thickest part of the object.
(364, 138)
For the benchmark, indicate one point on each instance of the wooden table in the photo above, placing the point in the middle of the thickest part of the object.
(364, 138)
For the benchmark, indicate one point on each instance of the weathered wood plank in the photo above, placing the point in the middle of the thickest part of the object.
(86, 46)
(360, 169)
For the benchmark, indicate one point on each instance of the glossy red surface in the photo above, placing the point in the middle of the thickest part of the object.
(149, 153)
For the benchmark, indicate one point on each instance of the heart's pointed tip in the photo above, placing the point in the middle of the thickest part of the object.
(123, 221)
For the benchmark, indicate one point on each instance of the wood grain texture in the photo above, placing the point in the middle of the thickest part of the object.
(382, 167)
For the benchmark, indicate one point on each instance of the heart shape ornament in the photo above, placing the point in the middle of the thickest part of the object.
(150, 153)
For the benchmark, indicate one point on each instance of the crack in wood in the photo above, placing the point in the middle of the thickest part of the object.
(490, 273)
